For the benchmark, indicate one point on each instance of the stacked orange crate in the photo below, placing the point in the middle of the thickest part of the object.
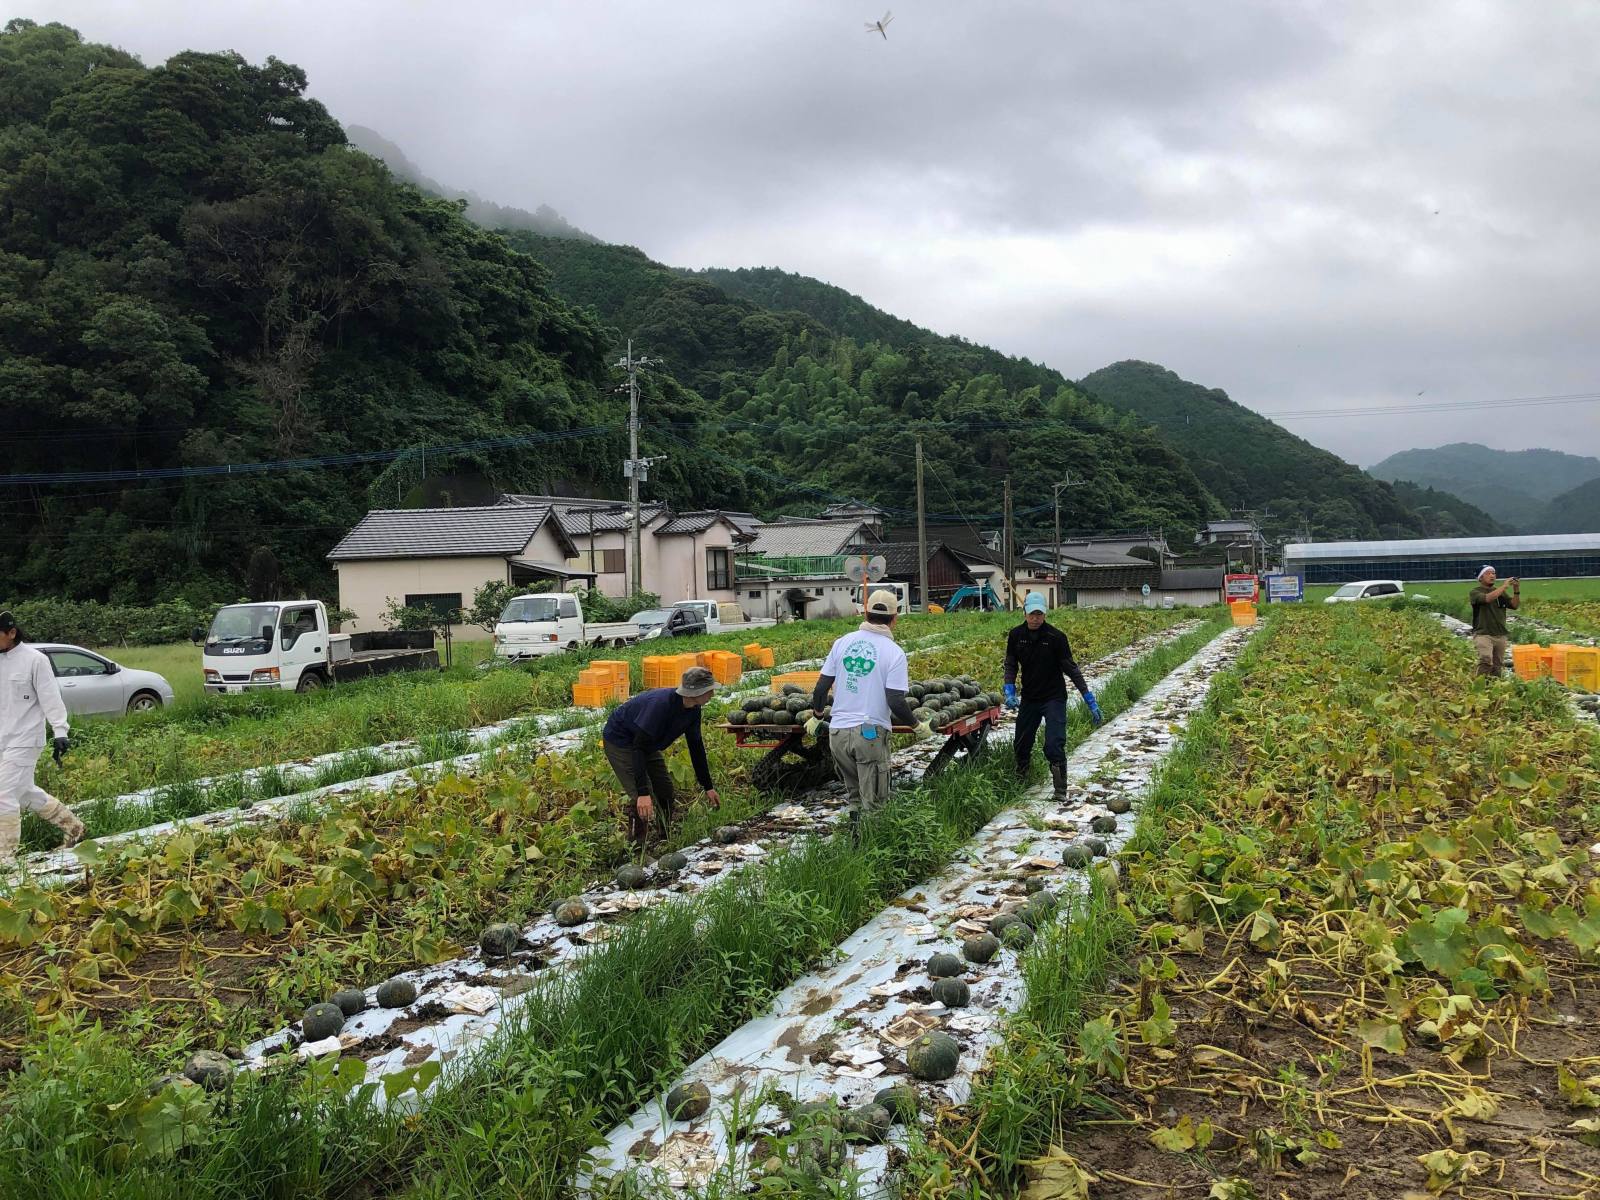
(617, 671)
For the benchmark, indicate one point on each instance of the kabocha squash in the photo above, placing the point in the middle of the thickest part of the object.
(321, 1021)
(868, 1122)
(350, 1001)
(901, 1102)
(952, 993)
(632, 876)
(1104, 824)
(943, 964)
(570, 913)
(1076, 855)
(1096, 847)
(1044, 900)
(210, 1069)
(999, 924)
(673, 862)
(499, 940)
(933, 1056)
(1018, 936)
(688, 1101)
(1120, 804)
(738, 717)
(727, 835)
(396, 993)
(980, 948)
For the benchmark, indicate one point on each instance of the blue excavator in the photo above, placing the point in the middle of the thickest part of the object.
(980, 597)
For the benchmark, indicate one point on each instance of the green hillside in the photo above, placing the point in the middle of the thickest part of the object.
(1575, 511)
(1249, 462)
(1513, 486)
(812, 411)
(1444, 515)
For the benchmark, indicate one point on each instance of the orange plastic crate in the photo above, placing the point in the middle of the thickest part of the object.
(617, 672)
(805, 679)
(591, 695)
(1582, 668)
(654, 670)
(725, 666)
(1531, 661)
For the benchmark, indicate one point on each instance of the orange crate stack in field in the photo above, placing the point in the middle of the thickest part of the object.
(1578, 667)
(760, 656)
(725, 666)
(617, 671)
(1532, 662)
(656, 668)
(805, 679)
(591, 695)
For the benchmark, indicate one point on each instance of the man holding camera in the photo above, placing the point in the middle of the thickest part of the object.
(1489, 604)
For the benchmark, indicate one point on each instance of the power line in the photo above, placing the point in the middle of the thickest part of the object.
(1436, 406)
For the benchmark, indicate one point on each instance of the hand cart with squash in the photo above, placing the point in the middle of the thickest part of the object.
(796, 762)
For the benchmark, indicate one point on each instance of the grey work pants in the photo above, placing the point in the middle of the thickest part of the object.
(863, 765)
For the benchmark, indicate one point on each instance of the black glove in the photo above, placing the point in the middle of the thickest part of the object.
(62, 746)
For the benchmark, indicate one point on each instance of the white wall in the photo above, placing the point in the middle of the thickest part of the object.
(1132, 598)
(365, 586)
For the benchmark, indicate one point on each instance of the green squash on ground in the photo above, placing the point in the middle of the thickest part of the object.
(672, 862)
(900, 1101)
(1120, 804)
(688, 1101)
(396, 993)
(211, 1069)
(944, 964)
(1076, 855)
(727, 835)
(1045, 901)
(1104, 823)
(321, 1021)
(1096, 847)
(999, 924)
(952, 993)
(868, 1122)
(1018, 936)
(570, 913)
(632, 876)
(980, 948)
(499, 940)
(350, 1001)
(933, 1056)
(815, 1112)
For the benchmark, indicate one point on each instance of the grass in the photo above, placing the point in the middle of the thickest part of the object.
(594, 1043)
(1455, 591)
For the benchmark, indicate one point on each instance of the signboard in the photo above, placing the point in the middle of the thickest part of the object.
(1283, 588)
(1240, 587)
(1144, 589)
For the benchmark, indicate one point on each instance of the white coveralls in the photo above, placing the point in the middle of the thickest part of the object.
(29, 696)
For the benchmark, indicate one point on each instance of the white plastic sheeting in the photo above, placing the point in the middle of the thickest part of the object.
(839, 1034)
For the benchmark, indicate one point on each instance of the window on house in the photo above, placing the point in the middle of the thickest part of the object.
(613, 562)
(755, 595)
(441, 604)
(719, 568)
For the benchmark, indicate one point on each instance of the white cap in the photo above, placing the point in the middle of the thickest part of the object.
(883, 603)
(1484, 571)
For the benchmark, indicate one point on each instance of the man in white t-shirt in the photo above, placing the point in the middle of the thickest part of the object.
(866, 671)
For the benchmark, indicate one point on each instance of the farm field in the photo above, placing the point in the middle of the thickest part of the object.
(1456, 590)
(1356, 951)
(204, 942)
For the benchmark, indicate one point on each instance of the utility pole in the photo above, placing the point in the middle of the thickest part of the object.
(636, 468)
(922, 535)
(1011, 584)
(1055, 490)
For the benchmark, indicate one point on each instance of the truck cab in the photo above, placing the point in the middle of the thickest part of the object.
(279, 644)
(708, 611)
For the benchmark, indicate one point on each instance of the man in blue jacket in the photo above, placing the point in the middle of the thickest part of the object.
(637, 733)
(1044, 657)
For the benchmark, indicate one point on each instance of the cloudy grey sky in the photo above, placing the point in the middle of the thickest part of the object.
(1309, 205)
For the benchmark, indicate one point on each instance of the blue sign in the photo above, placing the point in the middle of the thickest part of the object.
(1281, 588)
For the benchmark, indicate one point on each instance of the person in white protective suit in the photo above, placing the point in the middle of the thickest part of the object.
(29, 696)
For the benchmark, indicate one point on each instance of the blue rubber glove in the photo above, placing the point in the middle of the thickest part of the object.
(1011, 695)
(1094, 708)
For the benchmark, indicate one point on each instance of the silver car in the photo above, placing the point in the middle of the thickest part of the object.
(93, 685)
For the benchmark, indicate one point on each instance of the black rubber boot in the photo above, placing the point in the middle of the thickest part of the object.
(1058, 777)
(1021, 767)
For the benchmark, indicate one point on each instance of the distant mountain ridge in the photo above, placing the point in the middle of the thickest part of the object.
(1515, 487)
(1574, 511)
(544, 220)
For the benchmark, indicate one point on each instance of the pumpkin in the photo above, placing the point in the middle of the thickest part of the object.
(727, 835)
(998, 925)
(321, 1021)
(755, 704)
(1119, 804)
(952, 993)
(1018, 936)
(571, 912)
(738, 718)
(980, 948)
(1096, 847)
(868, 1122)
(210, 1069)
(1076, 855)
(350, 1002)
(900, 1101)
(672, 863)
(1045, 901)
(499, 940)
(688, 1101)
(1104, 823)
(933, 1056)
(631, 876)
(396, 993)
(943, 964)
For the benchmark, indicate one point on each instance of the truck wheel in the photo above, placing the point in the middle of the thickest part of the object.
(144, 702)
(572, 645)
(309, 682)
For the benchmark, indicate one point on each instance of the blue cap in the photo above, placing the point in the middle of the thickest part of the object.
(1034, 603)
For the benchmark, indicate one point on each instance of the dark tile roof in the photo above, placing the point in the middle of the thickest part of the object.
(1087, 579)
(1179, 579)
(804, 539)
(575, 518)
(442, 532)
(901, 557)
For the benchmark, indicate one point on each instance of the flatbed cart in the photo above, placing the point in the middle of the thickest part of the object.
(793, 763)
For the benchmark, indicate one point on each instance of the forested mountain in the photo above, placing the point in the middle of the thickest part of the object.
(1516, 487)
(810, 411)
(1444, 515)
(1575, 511)
(1250, 462)
(544, 220)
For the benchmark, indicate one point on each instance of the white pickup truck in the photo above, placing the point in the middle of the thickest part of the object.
(289, 644)
(722, 616)
(548, 623)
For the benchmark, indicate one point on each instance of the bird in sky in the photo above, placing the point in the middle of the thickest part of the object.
(881, 26)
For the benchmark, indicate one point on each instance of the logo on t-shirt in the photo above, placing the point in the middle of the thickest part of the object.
(860, 659)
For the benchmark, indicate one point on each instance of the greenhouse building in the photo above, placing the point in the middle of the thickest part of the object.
(1536, 556)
